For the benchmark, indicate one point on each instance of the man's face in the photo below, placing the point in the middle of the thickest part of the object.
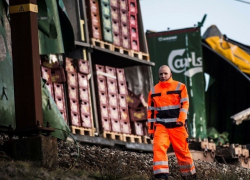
(164, 73)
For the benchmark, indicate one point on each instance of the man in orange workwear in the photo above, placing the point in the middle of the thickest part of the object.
(167, 122)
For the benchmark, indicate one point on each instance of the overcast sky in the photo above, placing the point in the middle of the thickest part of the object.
(230, 16)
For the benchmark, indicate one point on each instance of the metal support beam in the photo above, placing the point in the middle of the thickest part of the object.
(26, 66)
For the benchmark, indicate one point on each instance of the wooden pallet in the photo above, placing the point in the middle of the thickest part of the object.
(136, 54)
(111, 47)
(146, 140)
(145, 56)
(102, 44)
(112, 135)
(118, 49)
(82, 131)
(131, 138)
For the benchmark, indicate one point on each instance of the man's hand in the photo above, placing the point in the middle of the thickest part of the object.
(179, 123)
(151, 136)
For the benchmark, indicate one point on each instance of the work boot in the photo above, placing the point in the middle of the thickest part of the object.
(191, 177)
(161, 176)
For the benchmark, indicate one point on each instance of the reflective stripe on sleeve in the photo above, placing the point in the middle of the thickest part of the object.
(186, 166)
(166, 120)
(162, 170)
(184, 99)
(178, 86)
(153, 90)
(161, 163)
(183, 110)
(151, 120)
(188, 173)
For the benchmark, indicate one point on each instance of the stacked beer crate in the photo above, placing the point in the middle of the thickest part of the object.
(116, 22)
(133, 25)
(107, 31)
(112, 106)
(78, 96)
(54, 78)
(138, 115)
(94, 22)
(124, 33)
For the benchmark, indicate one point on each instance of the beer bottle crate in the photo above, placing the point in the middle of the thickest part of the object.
(106, 22)
(58, 75)
(96, 32)
(58, 90)
(115, 125)
(122, 87)
(46, 63)
(113, 112)
(135, 44)
(120, 75)
(85, 107)
(138, 114)
(105, 124)
(132, 100)
(124, 30)
(99, 68)
(107, 34)
(115, 13)
(64, 115)
(74, 119)
(133, 32)
(94, 21)
(124, 5)
(72, 79)
(125, 127)
(83, 80)
(124, 16)
(50, 88)
(110, 70)
(93, 5)
(83, 93)
(116, 26)
(105, 1)
(102, 98)
(132, 6)
(70, 65)
(46, 74)
(125, 42)
(116, 39)
(137, 128)
(133, 19)
(86, 120)
(60, 103)
(112, 85)
(113, 99)
(83, 66)
(114, 3)
(122, 101)
(124, 114)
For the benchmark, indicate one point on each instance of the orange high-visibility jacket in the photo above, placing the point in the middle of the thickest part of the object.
(167, 103)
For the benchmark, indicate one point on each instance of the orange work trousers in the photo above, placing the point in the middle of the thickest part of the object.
(178, 137)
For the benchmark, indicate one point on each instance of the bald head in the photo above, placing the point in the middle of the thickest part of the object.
(164, 73)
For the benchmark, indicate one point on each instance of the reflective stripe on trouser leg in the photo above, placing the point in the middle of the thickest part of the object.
(178, 137)
(161, 144)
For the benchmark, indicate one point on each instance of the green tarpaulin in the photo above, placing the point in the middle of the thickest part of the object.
(181, 51)
(55, 31)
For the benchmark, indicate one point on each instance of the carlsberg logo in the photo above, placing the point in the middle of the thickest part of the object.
(178, 63)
